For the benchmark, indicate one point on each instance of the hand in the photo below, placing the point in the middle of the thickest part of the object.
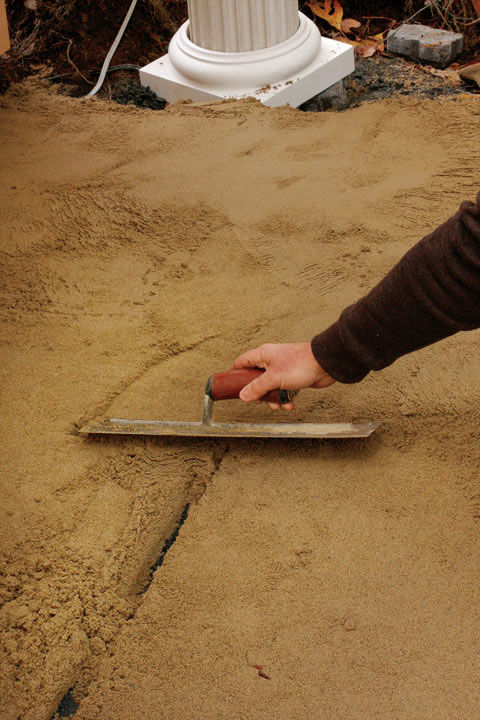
(290, 366)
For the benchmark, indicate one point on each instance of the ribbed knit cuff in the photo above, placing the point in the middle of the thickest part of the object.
(331, 353)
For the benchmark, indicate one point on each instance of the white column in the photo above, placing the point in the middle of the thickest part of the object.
(241, 25)
(265, 49)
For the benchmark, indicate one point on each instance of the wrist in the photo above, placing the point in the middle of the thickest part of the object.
(335, 358)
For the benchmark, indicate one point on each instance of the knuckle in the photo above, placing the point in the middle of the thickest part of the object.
(274, 378)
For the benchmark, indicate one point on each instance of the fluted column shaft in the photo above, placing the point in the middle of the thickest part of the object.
(241, 25)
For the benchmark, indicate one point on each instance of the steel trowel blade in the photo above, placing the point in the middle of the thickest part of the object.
(121, 426)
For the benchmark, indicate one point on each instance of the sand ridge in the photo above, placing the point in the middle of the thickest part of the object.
(140, 252)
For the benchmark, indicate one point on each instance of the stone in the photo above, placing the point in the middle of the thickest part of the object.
(425, 44)
(333, 98)
(471, 73)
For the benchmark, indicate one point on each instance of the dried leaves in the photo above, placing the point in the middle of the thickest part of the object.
(331, 11)
(368, 46)
(449, 75)
(476, 5)
(350, 24)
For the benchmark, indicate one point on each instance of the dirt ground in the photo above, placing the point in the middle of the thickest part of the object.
(140, 252)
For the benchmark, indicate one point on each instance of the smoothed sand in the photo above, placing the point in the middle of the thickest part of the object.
(140, 252)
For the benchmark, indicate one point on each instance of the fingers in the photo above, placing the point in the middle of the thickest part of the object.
(276, 406)
(259, 387)
(260, 358)
(251, 358)
(287, 365)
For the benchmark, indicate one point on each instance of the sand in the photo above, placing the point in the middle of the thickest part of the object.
(142, 251)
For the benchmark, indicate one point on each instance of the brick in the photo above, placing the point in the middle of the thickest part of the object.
(425, 44)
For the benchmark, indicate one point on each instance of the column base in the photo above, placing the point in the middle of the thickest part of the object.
(289, 73)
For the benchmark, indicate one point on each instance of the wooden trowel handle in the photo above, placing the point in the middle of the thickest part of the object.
(227, 386)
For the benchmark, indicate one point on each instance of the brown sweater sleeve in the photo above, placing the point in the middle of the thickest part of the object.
(433, 292)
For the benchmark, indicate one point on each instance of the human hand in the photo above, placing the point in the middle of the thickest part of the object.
(288, 366)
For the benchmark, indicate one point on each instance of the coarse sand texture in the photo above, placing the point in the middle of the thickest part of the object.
(140, 252)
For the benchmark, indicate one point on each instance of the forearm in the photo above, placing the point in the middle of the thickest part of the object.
(433, 292)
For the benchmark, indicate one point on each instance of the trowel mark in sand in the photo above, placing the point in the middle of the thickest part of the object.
(324, 281)
(68, 706)
(167, 353)
(300, 268)
(120, 572)
(168, 544)
(288, 181)
(203, 472)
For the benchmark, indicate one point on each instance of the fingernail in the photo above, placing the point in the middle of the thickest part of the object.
(244, 394)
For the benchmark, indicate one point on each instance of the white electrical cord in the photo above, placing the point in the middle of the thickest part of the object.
(111, 52)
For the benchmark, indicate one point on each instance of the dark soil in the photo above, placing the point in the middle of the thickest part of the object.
(128, 91)
(72, 37)
(383, 76)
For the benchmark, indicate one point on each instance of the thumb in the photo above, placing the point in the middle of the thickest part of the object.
(258, 388)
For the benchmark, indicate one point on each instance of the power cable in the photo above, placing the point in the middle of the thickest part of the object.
(111, 52)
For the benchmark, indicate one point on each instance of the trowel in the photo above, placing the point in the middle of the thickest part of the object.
(227, 386)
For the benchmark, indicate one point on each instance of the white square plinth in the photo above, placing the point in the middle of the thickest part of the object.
(334, 61)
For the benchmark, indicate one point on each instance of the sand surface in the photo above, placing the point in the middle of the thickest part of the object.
(142, 251)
